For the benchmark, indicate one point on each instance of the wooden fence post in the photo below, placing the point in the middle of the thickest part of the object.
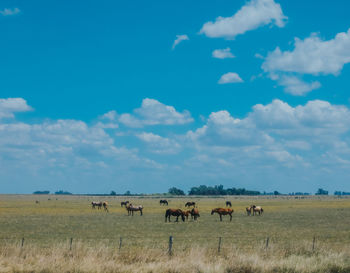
(267, 242)
(170, 250)
(313, 243)
(120, 243)
(22, 243)
(71, 242)
(219, 246)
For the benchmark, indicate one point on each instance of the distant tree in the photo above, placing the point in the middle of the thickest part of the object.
(127, 193)
(61, 192)
(41, 192)
(113, 193)
(176, 191)
(276, 193)
(321, 191)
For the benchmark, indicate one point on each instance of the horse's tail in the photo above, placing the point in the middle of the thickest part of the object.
(166, 214)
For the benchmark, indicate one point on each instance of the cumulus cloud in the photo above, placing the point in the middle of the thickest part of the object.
(179, 39)
(159, 144)
(312, 56)
(222, 53)
(252, 15)
(13, 105)
(230, 77)
(153, 112)
(295, 86)
(8, 12)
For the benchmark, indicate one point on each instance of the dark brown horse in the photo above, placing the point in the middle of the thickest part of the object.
(228, 204)
(174, 212)
(131, 208)
(163, 202)
(222, 211)
(124, 203)
(195, 213)
(189, 204)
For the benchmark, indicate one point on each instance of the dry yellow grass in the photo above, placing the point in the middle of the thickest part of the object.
(289, 223)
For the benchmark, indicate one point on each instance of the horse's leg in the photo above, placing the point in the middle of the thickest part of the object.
(177, 218)
(141, 211)
(230, 217)
(220, 217)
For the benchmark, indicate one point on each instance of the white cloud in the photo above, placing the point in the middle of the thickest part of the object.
(13, 105)
(295, 86)
(158, 144)
(179, 39)
(153, 112)
(8, 12)
(222, 53)
(254, 14)
(111, 115)
(312, 56)
(230, 77)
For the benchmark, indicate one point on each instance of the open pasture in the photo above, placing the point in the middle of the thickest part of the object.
(286, 221)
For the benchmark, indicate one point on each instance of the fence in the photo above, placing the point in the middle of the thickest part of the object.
(122, 242)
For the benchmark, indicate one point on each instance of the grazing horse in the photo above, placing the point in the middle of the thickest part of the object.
(131, 208)
(105, 206)
(186, 213)
(163, 202)
(228, 204)
(222, 211)
(189, 204)
(195, 213)
(124, 203)
(257, 210)
(174, 212)
(96, 204)
(248, 210)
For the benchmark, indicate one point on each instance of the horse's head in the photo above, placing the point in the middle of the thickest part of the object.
(212, 212)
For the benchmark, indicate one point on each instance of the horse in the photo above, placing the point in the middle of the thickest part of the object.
(163, 202)
(228, 204)
(195, 213)
(124, 203)
(131, 208)
(105, 206)
(187, 213)
(248, 210)
(222, 211)
(257, 209)
(189, 204)
(96, 204)
(174, 212)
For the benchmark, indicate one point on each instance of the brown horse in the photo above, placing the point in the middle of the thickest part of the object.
(174, 212)
(222, 211)
(105, 206)
(186, 213)
(195, 213)
(124, 203)
(131, 208)
(189, 204)
(248, 210)
(257, 210)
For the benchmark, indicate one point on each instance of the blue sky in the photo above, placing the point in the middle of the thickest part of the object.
(142, 96)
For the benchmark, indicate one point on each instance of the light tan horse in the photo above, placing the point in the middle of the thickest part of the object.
(105, 206)
(257, 210)
(131, 208)
(222, 211)
(195, 213)
(248, 210)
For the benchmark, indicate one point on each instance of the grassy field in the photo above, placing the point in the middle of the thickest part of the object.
(289, 223)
